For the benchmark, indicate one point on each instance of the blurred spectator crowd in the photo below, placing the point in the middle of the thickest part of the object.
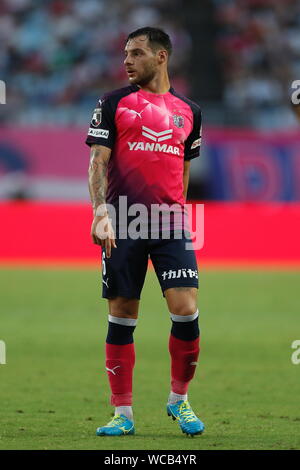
(58, 56)
(258, 45)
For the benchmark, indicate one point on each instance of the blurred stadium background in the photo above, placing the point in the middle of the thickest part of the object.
(237, 59)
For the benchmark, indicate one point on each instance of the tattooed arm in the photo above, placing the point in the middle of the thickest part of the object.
(101, 230)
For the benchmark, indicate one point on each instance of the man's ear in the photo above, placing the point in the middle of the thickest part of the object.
(162, 56)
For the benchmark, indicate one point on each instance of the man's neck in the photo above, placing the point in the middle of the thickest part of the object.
(159, 85)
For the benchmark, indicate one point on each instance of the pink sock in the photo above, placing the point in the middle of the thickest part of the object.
(120, 361)
(184, 356)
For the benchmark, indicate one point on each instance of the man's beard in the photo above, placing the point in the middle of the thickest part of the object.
(145, 78)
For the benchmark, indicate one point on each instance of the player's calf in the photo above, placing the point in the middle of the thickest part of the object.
(120, 360)
(184, 348)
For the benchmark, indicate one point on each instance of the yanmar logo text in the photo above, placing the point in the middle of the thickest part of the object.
(151, 147)
(155, 146)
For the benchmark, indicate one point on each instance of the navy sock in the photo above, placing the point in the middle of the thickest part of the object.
(187, 328)
(120, 330)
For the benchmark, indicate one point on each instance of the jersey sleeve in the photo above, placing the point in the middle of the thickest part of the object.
(193, 142)
(102, 130)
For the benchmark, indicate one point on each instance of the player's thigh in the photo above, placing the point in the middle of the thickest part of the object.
(122, 307)
(181, 300)
(177, 271)
(123, 274)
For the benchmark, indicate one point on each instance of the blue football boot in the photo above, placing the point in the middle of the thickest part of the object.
(187, 420)
(118, 426)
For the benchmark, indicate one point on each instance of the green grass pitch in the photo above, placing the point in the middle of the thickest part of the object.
(54, 391)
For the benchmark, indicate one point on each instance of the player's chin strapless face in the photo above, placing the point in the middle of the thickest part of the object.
(140, 62)
(142, 77)
(142, 73)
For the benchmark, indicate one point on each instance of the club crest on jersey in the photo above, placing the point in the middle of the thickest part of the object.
(178, 121)
(97, 116)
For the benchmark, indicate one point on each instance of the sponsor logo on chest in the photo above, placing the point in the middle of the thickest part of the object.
(155, 145)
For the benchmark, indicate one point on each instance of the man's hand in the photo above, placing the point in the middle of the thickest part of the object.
(102, 233)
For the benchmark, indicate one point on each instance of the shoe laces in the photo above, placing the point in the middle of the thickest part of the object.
(116, 421)
(186, 412)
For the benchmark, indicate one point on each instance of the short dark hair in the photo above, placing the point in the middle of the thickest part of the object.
(156, 37)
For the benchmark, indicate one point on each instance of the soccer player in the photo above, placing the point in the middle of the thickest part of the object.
(142, 138)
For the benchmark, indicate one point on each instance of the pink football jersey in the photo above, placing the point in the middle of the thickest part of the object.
(151, 135)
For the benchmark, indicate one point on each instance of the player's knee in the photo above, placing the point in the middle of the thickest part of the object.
(123, 313)
(182, 301)
(184, 309)
(123, 308)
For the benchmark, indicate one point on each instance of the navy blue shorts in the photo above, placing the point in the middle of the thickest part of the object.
(123, 274)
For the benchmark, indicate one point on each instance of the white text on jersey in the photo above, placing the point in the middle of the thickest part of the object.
(153, 147)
